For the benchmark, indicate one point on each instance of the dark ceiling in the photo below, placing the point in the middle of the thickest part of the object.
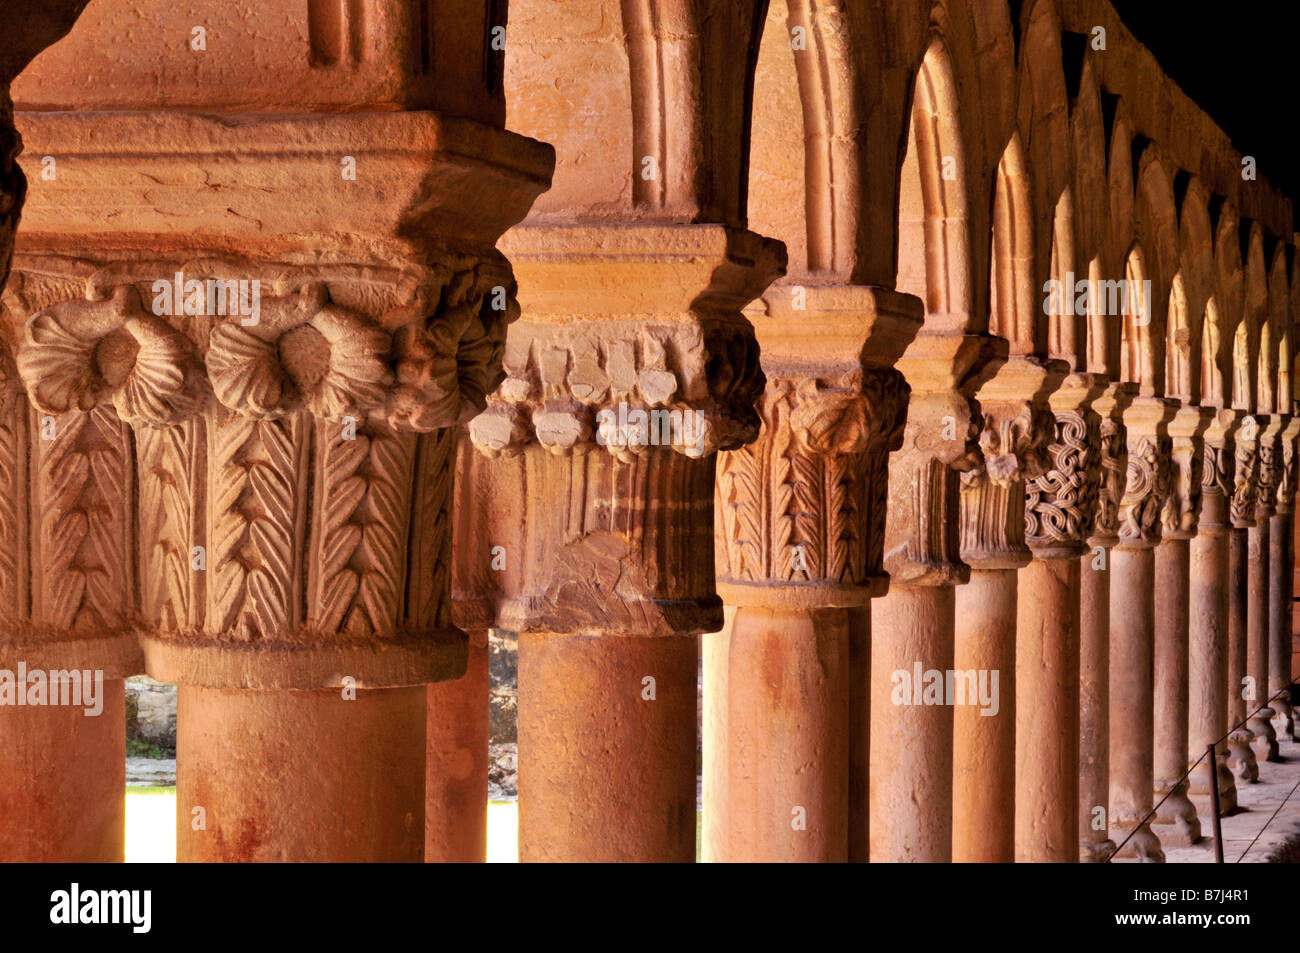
(1238, 60)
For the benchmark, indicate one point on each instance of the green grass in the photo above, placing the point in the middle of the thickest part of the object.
(139, 748)
(151, 789)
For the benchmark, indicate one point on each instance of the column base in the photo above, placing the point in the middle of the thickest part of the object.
(1264, 744)
(1096, 852)
(1176, 822)
(1241, 756)
(1200, 791)
(1283, 719)
(1144, 844)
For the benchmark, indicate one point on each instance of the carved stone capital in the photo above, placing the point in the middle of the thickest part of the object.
(1245, 472)
(662, 358)
(802, 508)
(1061, 503)
(281, 456)
(1286, 471)
(1109, 408)
(941, 440)
(1149, 475)
(1218, 466)
(619, 538)
(1270, 465)
(1182, 509)
(1018, 427)
(800, 513)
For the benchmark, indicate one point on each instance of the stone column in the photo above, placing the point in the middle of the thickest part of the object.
(913, 625)
(595, 464)
(269, 384)
(1281, 583)
(456, 763)
(1208, 617)
(1132, 627)
(799, 518)
(1176, 822)
(1257, 592)
(61, 765)
(1060, 506)
(1241, 756)
(1095, 846)
(1018, 427)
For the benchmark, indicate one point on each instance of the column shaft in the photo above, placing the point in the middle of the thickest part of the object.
(62, 778)
(1208, 665)
(1257, 632)
(606, 727)
(984, 738)
(1280, 589)
(1176, 822)
(911, 741)
(859, 733)
(1047, 712)
(1094, 706)
(1241, 756)
(456, 764)
(303, 776)
(787, 751)
(1132, 626)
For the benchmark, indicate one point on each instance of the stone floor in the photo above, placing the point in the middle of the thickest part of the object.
(1280, 841)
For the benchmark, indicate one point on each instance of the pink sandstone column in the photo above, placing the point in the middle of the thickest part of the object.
(1257, 595)
(1018, 427)
(911, 753)
(1176, 822)
(799, 530)
(1281, 584)
(1241, 755)
(1094, 634)
(1060, 508)
(1132, 628)
(456, 762)
(61, 768)
(1208, 619)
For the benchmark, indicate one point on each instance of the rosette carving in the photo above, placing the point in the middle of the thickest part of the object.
(79, 354)
(1060, 504)
(1147, 486)
(303, 352)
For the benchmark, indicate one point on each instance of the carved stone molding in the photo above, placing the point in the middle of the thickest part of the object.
(1061, 503)
(1245, 473)
(1018, 429)
(1182, 509)
(1149, 474)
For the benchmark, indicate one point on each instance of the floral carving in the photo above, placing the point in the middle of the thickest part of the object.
(76, 355)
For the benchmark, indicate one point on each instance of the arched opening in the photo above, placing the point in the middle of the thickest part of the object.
(932, 225)
(1178, 345)
(1211, 372)
(1133, 298)
(1012, 301)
